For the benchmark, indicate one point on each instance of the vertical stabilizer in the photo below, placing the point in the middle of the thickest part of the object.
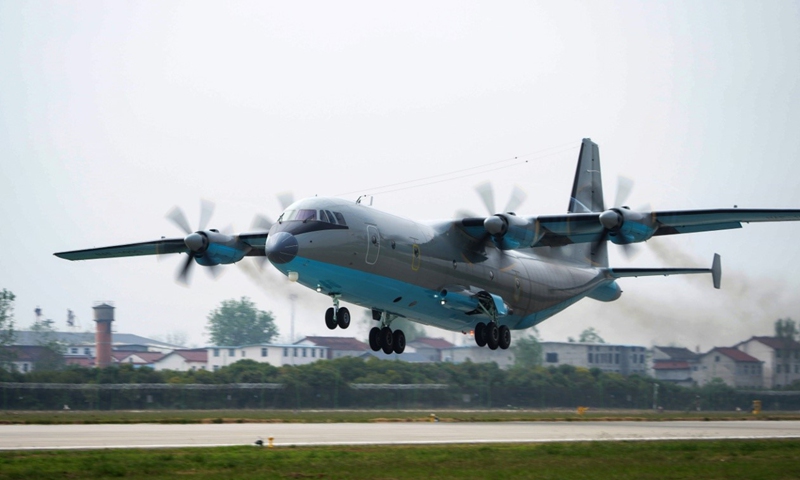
(587, 196)
(587, 190)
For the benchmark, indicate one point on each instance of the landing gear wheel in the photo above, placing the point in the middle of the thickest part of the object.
(374, 339)
(492, 336)
(330, 320)
(343, 318)
(387, 340)
(399, 341)
(505, 338)
(480, 334)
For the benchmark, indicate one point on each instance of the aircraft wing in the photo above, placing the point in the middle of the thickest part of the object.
(571, 228)
(253, 243)
(691, 221)
(157, 247)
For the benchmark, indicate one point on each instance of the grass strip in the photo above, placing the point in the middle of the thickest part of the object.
(752, 459)
(365, 416)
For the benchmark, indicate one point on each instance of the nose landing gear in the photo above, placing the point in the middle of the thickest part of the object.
(336, 316)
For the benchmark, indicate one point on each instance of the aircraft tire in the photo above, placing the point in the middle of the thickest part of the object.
(480, 334)
(374, 339)
(343, 318)
(330, 319)
(492, 336)
(505, 337)
(387, 340)
(399, 341)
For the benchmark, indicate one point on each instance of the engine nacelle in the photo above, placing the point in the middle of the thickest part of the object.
(508, 231)
(626, 226)
(213, 248)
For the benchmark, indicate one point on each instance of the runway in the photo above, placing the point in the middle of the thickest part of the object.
(35, 437)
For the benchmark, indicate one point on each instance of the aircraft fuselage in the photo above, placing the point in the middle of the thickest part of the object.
(394, 265)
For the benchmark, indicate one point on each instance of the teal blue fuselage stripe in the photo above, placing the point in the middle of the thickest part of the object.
(422, 304)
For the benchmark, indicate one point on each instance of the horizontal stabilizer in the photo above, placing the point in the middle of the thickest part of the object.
(715, 271)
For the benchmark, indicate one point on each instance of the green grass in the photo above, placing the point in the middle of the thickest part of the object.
(362, 416)
(765, 459)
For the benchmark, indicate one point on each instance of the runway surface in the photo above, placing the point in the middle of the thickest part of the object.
(31, 437)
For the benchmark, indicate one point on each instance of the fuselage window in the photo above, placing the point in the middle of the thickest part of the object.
(340, 218)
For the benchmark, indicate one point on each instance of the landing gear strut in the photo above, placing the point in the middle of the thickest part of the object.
(491, 334)
(336, 316)
(383, 338)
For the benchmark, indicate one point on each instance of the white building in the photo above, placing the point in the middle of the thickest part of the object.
(734, 367)
(183, 360)
(780, 357)
(275, 355)
(623, 359)
(475, 354)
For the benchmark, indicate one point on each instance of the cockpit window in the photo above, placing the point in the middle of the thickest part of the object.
(305, 215)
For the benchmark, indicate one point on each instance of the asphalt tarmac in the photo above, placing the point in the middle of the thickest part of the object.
(31, 437)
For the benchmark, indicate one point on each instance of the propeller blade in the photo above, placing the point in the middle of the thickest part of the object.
(517, 197)
(486, 192)
(206, 210)
(179, 219)
(214, 270)
(261, 223)
(183, 274)
(285, 199)
(464, 214)
(624, 187)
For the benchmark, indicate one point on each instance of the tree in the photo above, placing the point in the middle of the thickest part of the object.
(7, 333)
(527, 350)
(590, 335)
(239, 322)
(51, 356)
(786, 329)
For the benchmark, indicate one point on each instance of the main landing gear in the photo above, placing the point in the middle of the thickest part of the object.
(383, 338)
(337, 317)
(492, 336)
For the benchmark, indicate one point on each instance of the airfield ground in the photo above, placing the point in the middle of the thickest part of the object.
(735, 459)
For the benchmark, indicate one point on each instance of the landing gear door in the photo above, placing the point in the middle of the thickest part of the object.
(373, 244)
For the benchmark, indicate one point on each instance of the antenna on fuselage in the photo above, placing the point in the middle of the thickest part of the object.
(358, 201)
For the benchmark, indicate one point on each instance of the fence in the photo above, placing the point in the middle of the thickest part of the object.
(55, 396)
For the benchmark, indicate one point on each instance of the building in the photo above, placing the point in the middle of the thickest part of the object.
(337, 347)
(183, 360)
(430, 348)
(275, 354)
(733, 366)
(780, 358)
(475, 354)
(23, 359)
(674, 365)
(136, 358)
(622, 359)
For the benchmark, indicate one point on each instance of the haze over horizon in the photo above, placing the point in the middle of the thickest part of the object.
(113, 113)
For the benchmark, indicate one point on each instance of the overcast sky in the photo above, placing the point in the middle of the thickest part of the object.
(111, 113)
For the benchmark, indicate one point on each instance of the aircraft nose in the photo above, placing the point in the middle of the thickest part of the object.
(281, 248)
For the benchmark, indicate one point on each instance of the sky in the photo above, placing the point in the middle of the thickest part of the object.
(111, 113)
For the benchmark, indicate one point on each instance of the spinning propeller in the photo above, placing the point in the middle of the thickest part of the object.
(196, 241)
(639, 224)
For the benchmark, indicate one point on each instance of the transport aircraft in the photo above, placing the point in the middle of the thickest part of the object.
(485, 275)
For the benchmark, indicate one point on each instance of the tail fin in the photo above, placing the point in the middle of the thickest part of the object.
(587, 190)
(587, 196)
